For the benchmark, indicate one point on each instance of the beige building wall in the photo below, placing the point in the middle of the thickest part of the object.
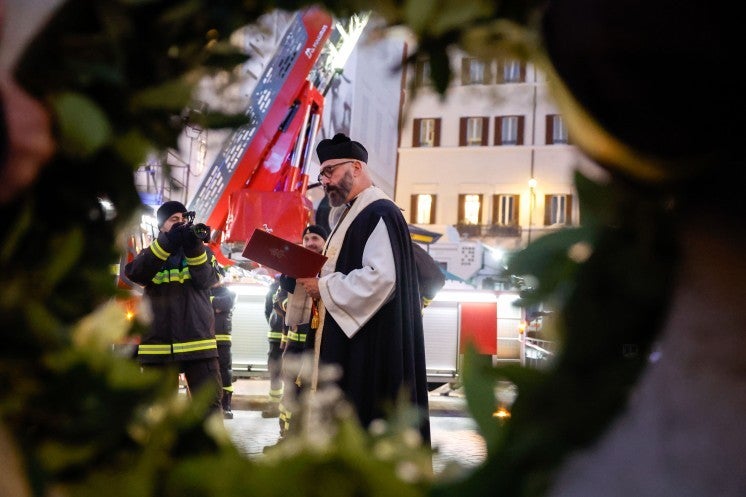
(449, 170)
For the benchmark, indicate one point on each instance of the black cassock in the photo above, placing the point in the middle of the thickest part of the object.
(386, 357)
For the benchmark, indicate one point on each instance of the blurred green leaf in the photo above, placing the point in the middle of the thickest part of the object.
(133, 147)
(173, 95)
(217, 120)
(479, 386)
(549, 260)
(84, 128)
(454, 14)
(224, 55)
(597, 201)
(67, 249)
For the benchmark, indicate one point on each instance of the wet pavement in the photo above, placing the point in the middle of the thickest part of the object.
(453, 432)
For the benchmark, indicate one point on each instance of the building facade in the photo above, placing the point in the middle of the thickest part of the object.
(492, 159)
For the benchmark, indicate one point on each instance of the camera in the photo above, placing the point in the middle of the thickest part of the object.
(200, 230)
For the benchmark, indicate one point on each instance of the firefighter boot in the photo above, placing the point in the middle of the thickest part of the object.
(227, 412)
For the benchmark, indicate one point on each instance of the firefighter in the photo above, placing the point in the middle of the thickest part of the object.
(177, 273)
(274, 311)
(223, 301)
(299, 342)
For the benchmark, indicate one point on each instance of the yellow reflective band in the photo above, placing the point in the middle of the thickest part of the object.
(172, 275)
(274, 335)
(159, 349)
(296, 337)
(158, 251)
(182, 348)
(200, 259)
(223, 338)
(228, 389)
(276, 393)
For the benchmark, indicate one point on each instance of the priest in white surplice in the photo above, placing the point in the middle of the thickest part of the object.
(371, 323)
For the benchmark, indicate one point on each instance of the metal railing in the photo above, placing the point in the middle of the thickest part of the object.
(538, 353)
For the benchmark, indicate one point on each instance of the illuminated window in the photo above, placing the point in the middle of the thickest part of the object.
(474, 71)
(422, 73)
(509, 130)
(470, 208)
(511, 71)
(426, 132)
(423, 209)
(505, 209)
(556, 130)
(473, 131)
(557, 209)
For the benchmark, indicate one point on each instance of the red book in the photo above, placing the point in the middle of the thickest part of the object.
(281, 255)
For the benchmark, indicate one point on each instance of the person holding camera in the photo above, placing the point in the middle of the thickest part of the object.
(177, 272)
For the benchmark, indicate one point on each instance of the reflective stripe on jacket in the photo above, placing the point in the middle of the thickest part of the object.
(177, 287)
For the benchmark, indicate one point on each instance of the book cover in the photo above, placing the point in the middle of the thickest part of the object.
(281, 255)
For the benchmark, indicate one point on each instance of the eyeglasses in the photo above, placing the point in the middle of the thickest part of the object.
(328, 171)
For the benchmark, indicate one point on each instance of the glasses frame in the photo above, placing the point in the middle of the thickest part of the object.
(329, 170)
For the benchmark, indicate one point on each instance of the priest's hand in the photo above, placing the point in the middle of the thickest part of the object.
(311, 285)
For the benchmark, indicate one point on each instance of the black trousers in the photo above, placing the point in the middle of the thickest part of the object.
(226, 362)
(199, 373)
(274, 367)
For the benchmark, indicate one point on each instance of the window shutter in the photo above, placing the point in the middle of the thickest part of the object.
(499, 130)
(547, 209)
(433, 206)
(549, 129)
(523, 72)
(521, 130)
(568, 209)
(488, 77)
(416, 133)
(462, 131)
(461, 210)
(485, 131)
(412, 209)
(437, 133)
(466, 71)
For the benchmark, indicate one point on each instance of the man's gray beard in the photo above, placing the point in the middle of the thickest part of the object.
(338, 194)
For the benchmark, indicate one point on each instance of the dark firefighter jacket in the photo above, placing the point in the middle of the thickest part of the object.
(177, 285)
(274, 311)
(223, 301)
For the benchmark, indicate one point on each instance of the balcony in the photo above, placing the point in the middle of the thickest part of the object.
(482, 230)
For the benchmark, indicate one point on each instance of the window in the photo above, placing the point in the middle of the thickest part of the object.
(423, 209)
(469, 208)
(426, 132)
(509, 130)
(557, 209)
(473, 131)
(556, 131)
(422, 73)
(505, 209)
(511, 71)
(475, 71)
